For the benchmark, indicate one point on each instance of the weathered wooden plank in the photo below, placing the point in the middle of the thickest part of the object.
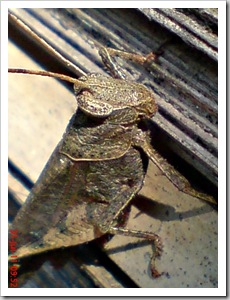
(181, 220)
(197, 27)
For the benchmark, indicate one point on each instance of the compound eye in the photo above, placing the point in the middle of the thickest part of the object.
(94, 107)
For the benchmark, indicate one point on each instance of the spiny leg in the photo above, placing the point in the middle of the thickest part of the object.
(109, 217)
(137, 58)
(151, 237)
(110, 64)
(107, 54)
(177, 179)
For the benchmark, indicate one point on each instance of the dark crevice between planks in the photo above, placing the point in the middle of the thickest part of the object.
(193, 134)
(19, 175)
(69, 267)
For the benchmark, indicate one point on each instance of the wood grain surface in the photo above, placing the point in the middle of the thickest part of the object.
(39, 110)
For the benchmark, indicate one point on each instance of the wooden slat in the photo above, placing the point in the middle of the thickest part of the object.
(197, 27)
(181, 221)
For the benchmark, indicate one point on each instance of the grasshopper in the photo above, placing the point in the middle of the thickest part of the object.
(98, 167)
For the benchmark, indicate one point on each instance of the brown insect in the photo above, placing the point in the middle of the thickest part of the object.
(98, 166)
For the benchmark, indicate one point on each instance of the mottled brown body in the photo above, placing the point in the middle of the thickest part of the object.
(75, 200)
(95, 171)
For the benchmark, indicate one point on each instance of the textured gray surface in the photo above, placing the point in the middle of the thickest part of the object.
(187, 226)
(197, 27)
